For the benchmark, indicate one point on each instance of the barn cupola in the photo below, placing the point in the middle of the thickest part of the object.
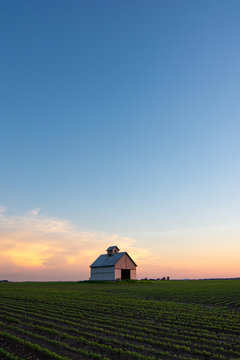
(112, 250)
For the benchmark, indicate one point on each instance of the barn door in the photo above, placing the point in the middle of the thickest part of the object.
(125, 274)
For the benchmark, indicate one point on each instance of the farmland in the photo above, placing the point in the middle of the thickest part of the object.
(149, 320)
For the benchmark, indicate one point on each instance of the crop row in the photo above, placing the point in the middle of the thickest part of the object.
(159, 329)
(84, 336)
(151, 341)
(135, 335)
(87, 321)
(124, 322)
(176, 313)
(108, 321)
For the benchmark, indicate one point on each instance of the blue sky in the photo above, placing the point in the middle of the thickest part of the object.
(122, 116)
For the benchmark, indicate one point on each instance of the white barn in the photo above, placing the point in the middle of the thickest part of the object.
(114, 265)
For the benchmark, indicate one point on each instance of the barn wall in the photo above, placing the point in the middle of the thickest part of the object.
(125, 263)
(103, 273)
(118, 274)
(133, 274)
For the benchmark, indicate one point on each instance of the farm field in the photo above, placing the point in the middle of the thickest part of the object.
(127, 320)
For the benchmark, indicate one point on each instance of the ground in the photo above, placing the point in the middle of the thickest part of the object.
(123, 320)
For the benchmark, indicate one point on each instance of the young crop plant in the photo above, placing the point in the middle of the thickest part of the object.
(33, 346)
(8, 356)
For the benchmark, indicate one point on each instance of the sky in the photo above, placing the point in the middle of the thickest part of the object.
(119, 125)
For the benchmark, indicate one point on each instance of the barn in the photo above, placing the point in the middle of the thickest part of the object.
(114, 265)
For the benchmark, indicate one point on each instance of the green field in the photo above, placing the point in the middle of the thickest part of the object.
(125, 320)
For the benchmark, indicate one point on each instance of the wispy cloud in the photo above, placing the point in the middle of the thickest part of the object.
(34, 212)
(38, 247)
(34, 247)
(2, 209)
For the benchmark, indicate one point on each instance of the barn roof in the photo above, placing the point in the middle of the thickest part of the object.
(106, 260)
(112, 247)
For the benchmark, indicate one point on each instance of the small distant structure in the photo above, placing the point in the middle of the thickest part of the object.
(113, 266)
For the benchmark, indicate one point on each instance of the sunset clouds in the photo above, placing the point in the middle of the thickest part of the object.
(36, 247)
(40, 247)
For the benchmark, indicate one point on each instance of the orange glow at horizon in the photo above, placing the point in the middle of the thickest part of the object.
(40, 248)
